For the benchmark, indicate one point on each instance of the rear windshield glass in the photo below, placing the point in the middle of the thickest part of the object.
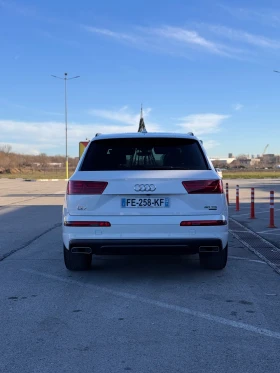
(144, 154)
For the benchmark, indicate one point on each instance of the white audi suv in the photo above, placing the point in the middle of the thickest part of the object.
(150, 193)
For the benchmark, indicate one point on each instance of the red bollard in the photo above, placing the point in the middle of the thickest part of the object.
(227, 196)
(237, 198)
(271, 219)
(252, 203)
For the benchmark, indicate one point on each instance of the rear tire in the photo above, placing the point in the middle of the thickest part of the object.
(76, 262)
(214, 260)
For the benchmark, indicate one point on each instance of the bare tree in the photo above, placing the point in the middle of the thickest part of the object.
(6, 148)
(241, 157)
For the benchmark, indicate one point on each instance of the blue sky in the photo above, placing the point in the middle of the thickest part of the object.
(202, 66)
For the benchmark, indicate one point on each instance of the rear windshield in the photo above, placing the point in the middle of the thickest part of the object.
(144, 154)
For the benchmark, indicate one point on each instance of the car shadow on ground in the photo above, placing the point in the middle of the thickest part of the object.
(146, 270)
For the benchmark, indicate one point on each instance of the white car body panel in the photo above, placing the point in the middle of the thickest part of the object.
(145, 223)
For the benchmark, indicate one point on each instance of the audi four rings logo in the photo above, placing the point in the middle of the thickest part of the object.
(144, 188)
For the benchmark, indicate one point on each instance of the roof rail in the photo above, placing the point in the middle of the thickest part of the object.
(190, 133)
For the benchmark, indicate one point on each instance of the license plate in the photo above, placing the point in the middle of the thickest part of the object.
(145, 202)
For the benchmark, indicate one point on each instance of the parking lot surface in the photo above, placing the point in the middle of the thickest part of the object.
(262, 206)
(129, 313)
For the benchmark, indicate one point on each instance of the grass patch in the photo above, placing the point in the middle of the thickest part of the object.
(226, 175)
(36, 175)
(251, 174)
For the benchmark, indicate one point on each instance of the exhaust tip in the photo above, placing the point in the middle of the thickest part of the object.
(209, 249)
(81, 250)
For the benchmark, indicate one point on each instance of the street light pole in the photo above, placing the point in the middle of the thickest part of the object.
(66, 118)
(66, 129)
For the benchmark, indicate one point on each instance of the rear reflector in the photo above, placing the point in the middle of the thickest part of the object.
(202, 223)
(203, 186)
(86, 187)
(87, 224)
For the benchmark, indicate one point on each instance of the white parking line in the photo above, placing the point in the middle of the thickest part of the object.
(251, 248)
(270, 231)
(243, 208)
(247, 259)
(274, 234)
(257, 213)
(171, 307)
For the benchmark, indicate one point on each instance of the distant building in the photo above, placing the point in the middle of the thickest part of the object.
(269, 160)
(244, 162)
(223, 161)
(268, 157)
(54, 164)
(50, 164)
(230, 155)
(241, 162)
(255, 161)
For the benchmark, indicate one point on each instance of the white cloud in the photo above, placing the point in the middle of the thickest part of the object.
(37, 137)
(49, 137)
(120, 115)
(124, 116)
(167, 39)
(266, 16)
(244, 37)
(202, 124)
(16, 8)
(109, 33)
(238, 107)
(210, 144)
(30, 109)
(188, 37)
(23, 148)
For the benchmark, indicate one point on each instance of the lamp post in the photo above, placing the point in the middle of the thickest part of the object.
(66, 127)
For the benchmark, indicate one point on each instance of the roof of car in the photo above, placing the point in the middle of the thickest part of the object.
(144, 134)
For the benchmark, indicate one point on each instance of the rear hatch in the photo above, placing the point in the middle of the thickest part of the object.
(145, 176)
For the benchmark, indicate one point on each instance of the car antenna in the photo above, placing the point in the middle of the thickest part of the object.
(142, 127)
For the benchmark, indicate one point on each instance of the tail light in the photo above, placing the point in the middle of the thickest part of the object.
(202, 223)
(203, 186)
(86, 187)
(87, 224)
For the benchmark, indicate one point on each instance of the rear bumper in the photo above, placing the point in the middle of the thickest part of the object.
(147, 246)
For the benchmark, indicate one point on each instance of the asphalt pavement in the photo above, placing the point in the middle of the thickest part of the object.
(129, 313)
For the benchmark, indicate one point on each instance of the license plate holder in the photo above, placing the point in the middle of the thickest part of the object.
(150, 202)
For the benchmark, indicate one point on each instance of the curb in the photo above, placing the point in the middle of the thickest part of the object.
(45, 179)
